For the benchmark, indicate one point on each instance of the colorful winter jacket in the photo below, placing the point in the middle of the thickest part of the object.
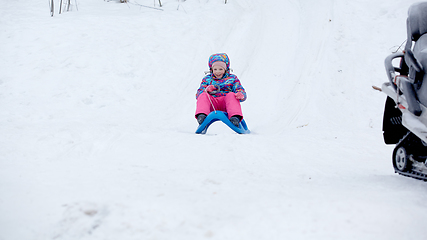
(228, 83)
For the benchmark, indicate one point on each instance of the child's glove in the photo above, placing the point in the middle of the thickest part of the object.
(210, 88)
(239, 96)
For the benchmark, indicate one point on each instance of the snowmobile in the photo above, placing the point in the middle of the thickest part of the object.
(405, 113)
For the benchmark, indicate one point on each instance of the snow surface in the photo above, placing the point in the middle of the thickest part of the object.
(97, 128)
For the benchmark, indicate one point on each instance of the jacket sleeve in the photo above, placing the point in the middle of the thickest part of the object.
(239, 88)
(203, 85)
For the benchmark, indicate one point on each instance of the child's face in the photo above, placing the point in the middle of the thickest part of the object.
(218, 71)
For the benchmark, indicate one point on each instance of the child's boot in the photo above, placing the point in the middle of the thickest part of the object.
(235, 120)
(200, 118)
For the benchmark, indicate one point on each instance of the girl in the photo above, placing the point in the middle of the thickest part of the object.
(220, 90)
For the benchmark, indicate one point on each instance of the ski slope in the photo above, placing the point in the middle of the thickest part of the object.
(97, 122)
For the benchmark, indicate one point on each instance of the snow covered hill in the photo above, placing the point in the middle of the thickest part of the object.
(97, 122)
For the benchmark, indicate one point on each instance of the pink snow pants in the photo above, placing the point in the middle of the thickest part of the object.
(227, 103)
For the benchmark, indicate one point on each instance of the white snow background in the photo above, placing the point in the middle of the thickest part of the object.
(97, 122)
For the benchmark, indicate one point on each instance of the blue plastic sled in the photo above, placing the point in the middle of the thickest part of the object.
(223, 116)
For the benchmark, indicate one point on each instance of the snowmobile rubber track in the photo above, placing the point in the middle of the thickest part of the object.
(410, 141)
(413, 174)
